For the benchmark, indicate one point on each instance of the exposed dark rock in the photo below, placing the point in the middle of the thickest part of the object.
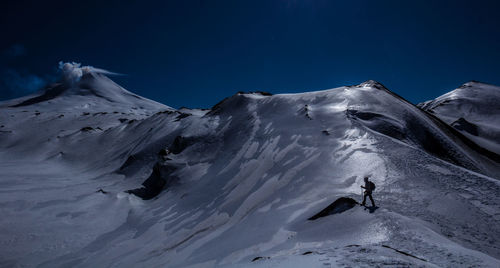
(180, 143)
(260, 258)
(101, 191)
(163, 152)
(464, 125)
(85, 129)
(152, 185)
(326, 132)
(404, 253)
(159, 179)
(306, 110)
(263, 93)
(340, 205)
(182, 115)
(51, 92)
(166, 112)
(130, 160)
(186, 108)
(123, 120)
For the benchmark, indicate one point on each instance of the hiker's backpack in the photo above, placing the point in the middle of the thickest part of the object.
(372, 186)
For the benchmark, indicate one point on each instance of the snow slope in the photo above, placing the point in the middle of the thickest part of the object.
(61, 120)
(241, 181)
(474, 110)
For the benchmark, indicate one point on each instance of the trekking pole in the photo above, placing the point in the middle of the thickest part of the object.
(361, 194)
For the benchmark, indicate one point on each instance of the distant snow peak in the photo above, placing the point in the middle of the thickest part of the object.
(371, 84)
(73, 71)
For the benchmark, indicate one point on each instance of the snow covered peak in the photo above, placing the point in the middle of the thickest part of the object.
(87, 87)
(474, 83)
(372, 84)
(472, 90)
(482, 96)
(475, 104)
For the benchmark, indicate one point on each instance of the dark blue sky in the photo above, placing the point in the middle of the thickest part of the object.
(194, 53)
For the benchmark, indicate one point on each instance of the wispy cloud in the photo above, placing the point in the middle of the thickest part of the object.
(73, 71)
(16, 83)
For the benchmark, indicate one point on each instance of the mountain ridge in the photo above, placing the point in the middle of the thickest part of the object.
(473, 110)
(234, 186)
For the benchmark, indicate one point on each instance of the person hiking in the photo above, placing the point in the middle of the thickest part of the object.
(369, 187)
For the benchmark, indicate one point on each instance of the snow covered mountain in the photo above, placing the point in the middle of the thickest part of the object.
(474, 110)
(234, 186)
